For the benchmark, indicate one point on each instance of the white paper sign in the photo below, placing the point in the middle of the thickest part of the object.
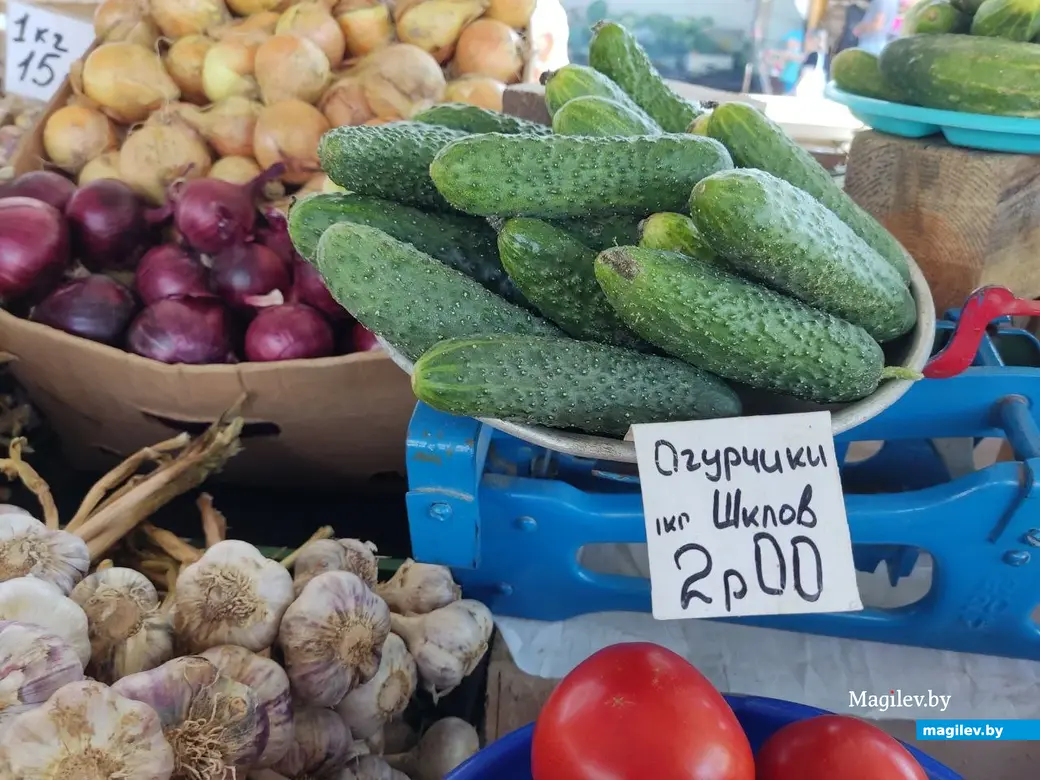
(41, 45)
(745, 516)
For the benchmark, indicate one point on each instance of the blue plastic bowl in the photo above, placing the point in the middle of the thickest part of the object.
(510, 757)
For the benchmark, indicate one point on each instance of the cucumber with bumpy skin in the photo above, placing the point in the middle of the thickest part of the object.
(615, 52)
(573, 81)
(1014, 20)
(390, 161)
(570, 176)
(554, 271)
(755, 141)
(464, 243)
(737, 329)
(409, 298)
(474, 119)
(771, 230)
(674, 233)
(929, 17)
(602, 234)
(856, 71)
(598, 116)
(561, 383)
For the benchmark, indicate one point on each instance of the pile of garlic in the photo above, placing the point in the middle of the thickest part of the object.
(247, 668)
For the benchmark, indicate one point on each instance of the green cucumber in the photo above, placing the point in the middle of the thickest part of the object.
(409, 298)
(857, 71)
(554, 272)
(465, 243)
(570, 176)
(699, 126)
(1015, 20)
(674, 233)
(390, 161)
(561, 383)
(600, 234)
(755, 141)
(474, 119)
(930, 17)
(593, 115)
(771, 230)
(966, 73)
(737, 329)
(572, 81)
(614, 51)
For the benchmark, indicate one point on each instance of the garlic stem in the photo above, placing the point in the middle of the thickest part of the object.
(214, 524)
(171, 544)
(325, 532)
(13, 467)
(445, 745)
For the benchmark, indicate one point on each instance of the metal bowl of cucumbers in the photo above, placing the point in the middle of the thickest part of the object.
(910, 352)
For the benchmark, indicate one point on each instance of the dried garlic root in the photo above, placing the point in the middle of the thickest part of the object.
(367, 708)
(322, 555)
(418, 588)
(30, 600)
(33, 665)
(29, 548)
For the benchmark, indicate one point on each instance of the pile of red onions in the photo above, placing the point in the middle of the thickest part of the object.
(214, 280)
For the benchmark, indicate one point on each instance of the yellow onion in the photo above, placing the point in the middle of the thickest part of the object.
(243, 170)
(227, 70)
(177, 18)
(104, 166)
(291, 68)
(366, 25)
(489, 48)
(400, 81)
(227, 125)
(476, 90)
(255, 7)
(184, 61)
(74, 135)
(289, 132)
(128, 81)
(435, 25)
(156, 155)
(516, 13)
(312, 20)
(249, 27)
(125, 20)
(344, 103)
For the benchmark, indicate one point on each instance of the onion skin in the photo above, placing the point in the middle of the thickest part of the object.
(289, 132)
(292, 331)
(169, 271)
(312, 20)
(363, 340)
(516, 13)
(34, 246)
(104, 166)
(212, 214)
(180, 18)
(75, 135)
(344, 103)
(244, 275)
(127, 80)
(289, 67)
(489, 48)
(227, 125)
(107, 225)
(184, 330)
(256, 7)
(400, 81)
(155, 156)
(309, 288)
(476, 90)
(184, 62)
(52, 188)
(96, 308)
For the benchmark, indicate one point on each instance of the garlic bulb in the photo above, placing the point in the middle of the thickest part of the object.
(398, 737)
(128, 631)
(29, 548)
(33, 665)
(324, 555)
(321, 746)
(447, 644)
(233, 595)
(445, 745)
(214, 724)
(418, 588)
(271, 686)
(375, 768)
(29, 600)
(86, 731)
(332, 637)
(366, 708)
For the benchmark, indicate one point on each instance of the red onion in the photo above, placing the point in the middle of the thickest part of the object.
(34, 246)
(184, 330)
(289, 332)
(108, 224)
(274, 234)
(250, 275)
(364, 339)
(213, 215)
(168, 271)
(309, 288)
(94, 307)
(50, 187)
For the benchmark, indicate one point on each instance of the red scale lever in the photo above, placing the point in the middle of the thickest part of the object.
(982, 307)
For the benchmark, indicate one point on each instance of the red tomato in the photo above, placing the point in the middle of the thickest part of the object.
(637, 711)
(835, 746)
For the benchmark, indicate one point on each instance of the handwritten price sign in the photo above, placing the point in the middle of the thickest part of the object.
(745, 517)
(41, 45)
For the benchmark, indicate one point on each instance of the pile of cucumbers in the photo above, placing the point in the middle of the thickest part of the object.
(975, 56)
(629, 265)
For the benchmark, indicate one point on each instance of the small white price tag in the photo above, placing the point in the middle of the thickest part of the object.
(745, 516)
(41, 45)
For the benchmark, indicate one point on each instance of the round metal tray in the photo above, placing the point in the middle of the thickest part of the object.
(911, 351)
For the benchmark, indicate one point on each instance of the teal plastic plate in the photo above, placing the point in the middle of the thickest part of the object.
(1019, 135)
